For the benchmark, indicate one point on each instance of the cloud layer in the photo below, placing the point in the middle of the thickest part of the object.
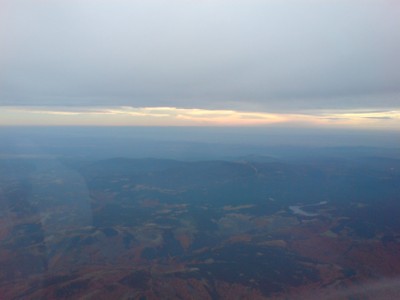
(271, 56)
(171, 116)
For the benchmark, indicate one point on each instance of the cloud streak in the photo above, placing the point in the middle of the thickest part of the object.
(172, 116)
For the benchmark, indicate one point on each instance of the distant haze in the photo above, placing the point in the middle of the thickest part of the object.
(194, 142)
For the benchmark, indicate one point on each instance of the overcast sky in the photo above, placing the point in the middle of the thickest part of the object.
(271, 56)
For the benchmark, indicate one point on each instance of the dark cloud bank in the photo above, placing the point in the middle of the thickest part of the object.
(280, 56)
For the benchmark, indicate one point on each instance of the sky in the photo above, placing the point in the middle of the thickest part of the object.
(200, 62)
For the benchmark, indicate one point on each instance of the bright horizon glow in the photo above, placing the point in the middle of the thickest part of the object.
(173, 116)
